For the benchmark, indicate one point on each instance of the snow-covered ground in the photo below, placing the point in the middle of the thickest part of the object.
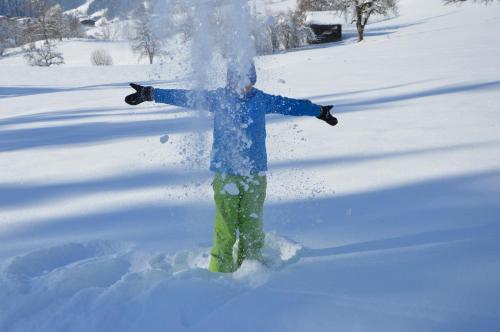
(388, 222)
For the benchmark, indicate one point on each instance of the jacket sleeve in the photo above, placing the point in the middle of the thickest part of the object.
(289, 106)
(184, 98)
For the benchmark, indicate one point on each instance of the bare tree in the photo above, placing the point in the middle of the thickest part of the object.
(281, 32)
(144, 41)
(43, 56)
(73, 27)
(361, 11)
(3, 45)
(39, 29)
(101, 57)
(49, 22)
(13, 32)
(288, 30)
(55, 21)
(105, 29)
(48, 25)
(17, 31)
(4, 34)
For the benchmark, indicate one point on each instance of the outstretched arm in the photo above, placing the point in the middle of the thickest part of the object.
(294, 107)
(301, 107)
(182, 98)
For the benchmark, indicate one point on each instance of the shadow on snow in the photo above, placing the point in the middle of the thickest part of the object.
(93, 132)
(350, 105)
(13, 195)
(21, 90)
(373, 220)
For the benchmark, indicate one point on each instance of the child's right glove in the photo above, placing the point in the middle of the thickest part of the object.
(326, 116)
(143, 93)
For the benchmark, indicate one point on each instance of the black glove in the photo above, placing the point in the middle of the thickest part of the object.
(326, 116)
(144, 93)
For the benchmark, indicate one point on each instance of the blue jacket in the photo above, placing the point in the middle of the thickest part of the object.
(239, 137)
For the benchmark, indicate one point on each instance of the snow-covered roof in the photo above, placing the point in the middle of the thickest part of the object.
(324, 18)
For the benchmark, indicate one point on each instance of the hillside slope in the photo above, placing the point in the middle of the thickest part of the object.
(388, 222)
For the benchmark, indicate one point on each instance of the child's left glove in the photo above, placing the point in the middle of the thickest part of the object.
(144, 93)
(326, 116)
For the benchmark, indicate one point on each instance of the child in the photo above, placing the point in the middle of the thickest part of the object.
(239, 158)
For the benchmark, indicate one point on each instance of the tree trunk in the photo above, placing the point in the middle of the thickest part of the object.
(359, 24)
(361, 33)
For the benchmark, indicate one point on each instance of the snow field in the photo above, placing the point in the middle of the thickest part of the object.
(387, 222)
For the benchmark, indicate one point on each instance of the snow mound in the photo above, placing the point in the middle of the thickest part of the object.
(46, 260)
(109, 286)
(281, 251)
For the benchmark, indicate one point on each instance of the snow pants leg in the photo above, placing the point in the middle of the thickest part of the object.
(239, 207)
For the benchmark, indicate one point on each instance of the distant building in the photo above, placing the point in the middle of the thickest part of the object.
(326, 26)
(88, 22)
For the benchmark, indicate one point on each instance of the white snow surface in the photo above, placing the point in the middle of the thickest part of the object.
(388, 222)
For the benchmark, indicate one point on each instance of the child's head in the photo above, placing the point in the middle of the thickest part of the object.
(238, 81)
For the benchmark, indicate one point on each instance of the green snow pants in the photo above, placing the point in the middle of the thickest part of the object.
(239, 207)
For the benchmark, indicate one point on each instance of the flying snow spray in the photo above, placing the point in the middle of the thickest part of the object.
(219, 36)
